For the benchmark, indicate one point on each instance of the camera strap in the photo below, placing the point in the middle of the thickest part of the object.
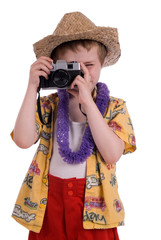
(81, 110)
(39, 110)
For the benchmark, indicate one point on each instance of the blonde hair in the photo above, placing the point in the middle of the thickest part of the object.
(73, 45)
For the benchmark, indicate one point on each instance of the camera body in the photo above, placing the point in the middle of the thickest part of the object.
(61, 75)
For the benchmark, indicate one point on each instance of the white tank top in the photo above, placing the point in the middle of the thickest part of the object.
(58, 167)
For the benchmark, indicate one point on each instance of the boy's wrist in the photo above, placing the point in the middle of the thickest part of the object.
(32, 88)
(87, 106)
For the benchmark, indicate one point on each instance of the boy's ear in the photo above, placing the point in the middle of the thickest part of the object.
(104, 62)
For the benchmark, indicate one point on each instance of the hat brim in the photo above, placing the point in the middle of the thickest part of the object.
(106, 35)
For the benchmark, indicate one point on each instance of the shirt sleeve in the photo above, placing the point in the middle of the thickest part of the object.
(120, 122)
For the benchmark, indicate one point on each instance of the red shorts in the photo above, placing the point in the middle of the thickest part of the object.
(64, 214)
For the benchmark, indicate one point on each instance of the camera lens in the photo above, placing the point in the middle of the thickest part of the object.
(61, 78)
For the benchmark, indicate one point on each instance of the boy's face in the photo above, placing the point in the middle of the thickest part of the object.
(89, 58)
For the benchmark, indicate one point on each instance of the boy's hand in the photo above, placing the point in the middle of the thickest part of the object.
(39, 68)
(83, 93)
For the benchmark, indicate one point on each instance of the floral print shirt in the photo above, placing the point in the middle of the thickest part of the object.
(103, 207)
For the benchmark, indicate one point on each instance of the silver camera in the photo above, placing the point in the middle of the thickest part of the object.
(61, 75)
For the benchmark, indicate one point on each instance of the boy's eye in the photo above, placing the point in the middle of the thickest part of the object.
(89, 65)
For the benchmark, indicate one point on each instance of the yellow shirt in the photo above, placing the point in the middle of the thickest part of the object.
(102, 205)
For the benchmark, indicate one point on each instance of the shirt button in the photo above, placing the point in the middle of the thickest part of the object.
(70, 193)
(70, 184)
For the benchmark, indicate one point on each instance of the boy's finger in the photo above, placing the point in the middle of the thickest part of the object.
(41, 62)
(46, 58)
(85, 71)
(77, 81)
(84, 68)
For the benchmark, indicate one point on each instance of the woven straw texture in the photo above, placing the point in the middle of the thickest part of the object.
(76, 26)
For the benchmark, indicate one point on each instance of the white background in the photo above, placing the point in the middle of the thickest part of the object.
(135, 78)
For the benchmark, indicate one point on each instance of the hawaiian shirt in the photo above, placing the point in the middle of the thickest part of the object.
(103, 207)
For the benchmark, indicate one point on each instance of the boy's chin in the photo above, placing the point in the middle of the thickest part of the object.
(70, 94)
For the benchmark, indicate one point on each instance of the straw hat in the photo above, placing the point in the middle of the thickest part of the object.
(76, 26)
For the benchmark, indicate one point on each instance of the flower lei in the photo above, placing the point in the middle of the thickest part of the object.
(87, 145)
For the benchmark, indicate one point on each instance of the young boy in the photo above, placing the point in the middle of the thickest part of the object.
(70, 190)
